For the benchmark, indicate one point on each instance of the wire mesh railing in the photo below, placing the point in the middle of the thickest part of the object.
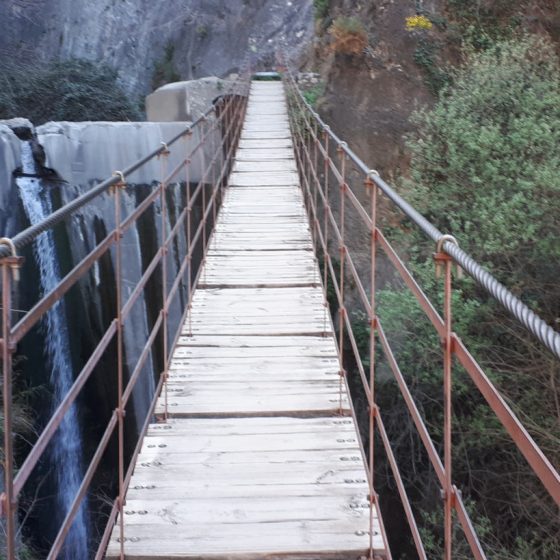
(209, 143)
(325, 165)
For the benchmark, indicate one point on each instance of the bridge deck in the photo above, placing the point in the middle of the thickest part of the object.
(255, 461)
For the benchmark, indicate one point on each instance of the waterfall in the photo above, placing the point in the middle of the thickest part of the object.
(66, 445)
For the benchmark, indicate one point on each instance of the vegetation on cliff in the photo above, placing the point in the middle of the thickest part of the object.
(485, 167)
(73, 90)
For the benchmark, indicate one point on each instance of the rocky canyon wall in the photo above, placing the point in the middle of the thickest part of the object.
(202, 37)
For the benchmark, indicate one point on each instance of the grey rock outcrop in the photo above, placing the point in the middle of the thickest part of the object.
(184, 101)
(208, 37)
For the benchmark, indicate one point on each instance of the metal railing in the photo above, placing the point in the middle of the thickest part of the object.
(210, 142)
(323, 158)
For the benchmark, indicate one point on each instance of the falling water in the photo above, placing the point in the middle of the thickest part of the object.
(67, 444)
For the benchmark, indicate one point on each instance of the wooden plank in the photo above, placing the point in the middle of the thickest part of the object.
(265, 127)
(265, 366)
(227, 442)
(266, 135)
(251, 351)
(297, 540)
(285, 342)
(249, 426)
(232, 510)
(263, 257)
(255, 154)
(242, 404)
(259, 167)
(168, 490)
(271, 178)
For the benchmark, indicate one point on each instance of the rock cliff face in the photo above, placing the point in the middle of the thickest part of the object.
(204, 37)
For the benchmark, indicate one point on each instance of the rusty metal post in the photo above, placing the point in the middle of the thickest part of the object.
(164, 160)
(116, 190)
(342, 250)
(9, 503)
(372, 188)
(214, 151)
(326, 212)
(189, 237)
(316, 170)
(316, 223)
(203, 179)
(447, 426)
(444, 260)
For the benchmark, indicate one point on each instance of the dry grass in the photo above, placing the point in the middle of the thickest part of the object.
(349, 36)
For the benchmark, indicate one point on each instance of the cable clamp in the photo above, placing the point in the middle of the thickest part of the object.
(369, 182)
(164, 151)
(13, 261)
(121, 183)
(440, 256)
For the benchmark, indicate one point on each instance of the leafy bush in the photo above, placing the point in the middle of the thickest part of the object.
(349, 36)
(485, 167)
(314, 93)
(425, 56)
(73, 90)
(480, 24)
(164, 69)
(321, 8)
(486, 161)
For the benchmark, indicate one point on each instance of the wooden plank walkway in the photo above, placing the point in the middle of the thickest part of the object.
(255, 461)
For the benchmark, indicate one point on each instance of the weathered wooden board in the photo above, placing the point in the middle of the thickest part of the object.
(259, 458)
(264, 154)
(270, 143)
(263, 179)
(260, 167)
(211, 343)
(265, 134)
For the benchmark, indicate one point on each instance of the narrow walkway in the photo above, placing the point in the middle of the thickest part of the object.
(255, 461)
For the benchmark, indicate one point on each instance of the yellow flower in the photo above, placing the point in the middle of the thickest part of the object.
(418, 22)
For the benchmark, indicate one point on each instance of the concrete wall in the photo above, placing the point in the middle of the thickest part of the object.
(92, 151)
(10, 159)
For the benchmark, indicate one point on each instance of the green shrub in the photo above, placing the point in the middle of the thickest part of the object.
(73, 90)
(314, 93)
(321, 8)
(485, 167)
(482, 23)
(164, 69)
(486, 163)
(425, 56)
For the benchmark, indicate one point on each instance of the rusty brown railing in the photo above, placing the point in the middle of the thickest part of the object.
(210, 143)
(327, 167)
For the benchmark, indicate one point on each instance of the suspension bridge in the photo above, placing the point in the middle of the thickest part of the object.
(252, 446)
(259, 456)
